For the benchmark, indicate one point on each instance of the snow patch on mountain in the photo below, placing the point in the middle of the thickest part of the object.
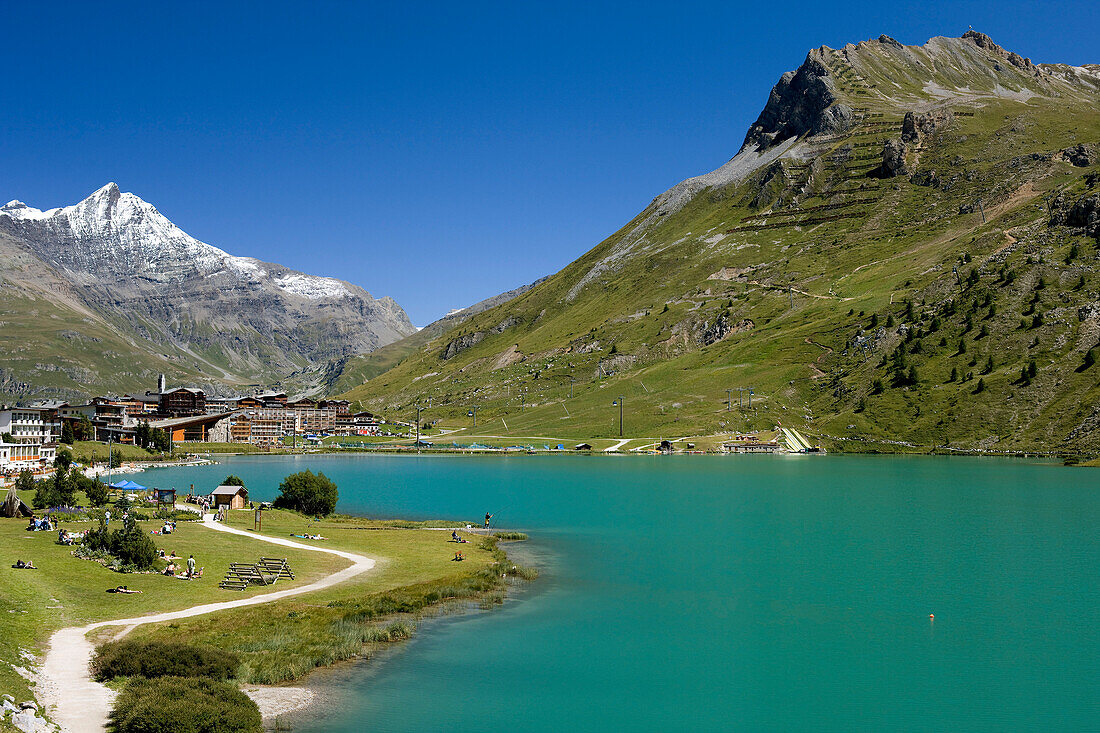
(309, 286)
(113, 233)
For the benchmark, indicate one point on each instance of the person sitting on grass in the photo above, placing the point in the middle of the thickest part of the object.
(171, 569)
(122, 589)
(20, 565)
(459, 557)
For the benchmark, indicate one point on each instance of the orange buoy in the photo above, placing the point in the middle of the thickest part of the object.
(931, 615)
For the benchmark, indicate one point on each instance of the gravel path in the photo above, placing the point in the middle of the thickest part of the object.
(79, 704)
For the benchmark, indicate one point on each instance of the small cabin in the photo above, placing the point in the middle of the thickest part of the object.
(583, 446)
(233, 497)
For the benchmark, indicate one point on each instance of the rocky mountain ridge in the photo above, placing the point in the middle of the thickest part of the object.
(900, 254)
(218, 318)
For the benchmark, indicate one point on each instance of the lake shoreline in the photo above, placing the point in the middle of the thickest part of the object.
(296, 697)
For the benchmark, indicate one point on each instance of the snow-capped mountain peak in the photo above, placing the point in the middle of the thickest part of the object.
(162, 286)
(112, 233)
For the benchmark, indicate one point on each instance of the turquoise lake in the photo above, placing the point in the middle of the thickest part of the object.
(756, 593)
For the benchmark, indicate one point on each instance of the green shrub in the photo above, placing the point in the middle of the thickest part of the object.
(135, 658)
(184, 705)
(307, 492)
(129, 545)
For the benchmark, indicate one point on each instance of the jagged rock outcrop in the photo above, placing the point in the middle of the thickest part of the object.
(1082, 155)
(1085, 212)
(917, 126)
(893, 159)
(456, 346)
(981, 40)
(803, 101)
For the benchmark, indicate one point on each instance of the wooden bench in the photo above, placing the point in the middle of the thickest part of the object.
(276, 566)
(266, 572)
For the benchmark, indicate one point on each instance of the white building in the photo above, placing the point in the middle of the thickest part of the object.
(30, 444)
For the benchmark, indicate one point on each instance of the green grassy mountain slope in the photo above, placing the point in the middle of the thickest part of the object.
(903, 253)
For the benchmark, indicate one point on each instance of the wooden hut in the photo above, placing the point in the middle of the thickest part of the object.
(234, 497)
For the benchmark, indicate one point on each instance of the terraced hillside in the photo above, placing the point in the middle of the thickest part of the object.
(902, 253)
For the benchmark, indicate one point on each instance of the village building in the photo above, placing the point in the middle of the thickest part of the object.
(750, 446)
(27, 440)
(234, 497)
(182, 402)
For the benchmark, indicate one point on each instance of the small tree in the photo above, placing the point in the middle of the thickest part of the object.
(67, 433)
(95, 490)
(142, 434)
(988, 366)
(24, 482)
(133, 546)
(980, 387)
(115, 459)
(912, 378)
(1090, 359)
(877, 387)
(232, 480)
(1032, 369)
(954, 375)
(962, 346)
(161, 440)
(45, 494)
(308, 493)
(83, 429)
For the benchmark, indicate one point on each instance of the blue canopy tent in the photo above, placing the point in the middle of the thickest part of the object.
(128, 485)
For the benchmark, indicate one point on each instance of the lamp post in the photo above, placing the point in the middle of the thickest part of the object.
(619, 402)
(729, 399)
(418, 409)
(572, 381)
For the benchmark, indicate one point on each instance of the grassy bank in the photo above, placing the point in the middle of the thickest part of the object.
(416, 573)
(68, 591)
(281, 640)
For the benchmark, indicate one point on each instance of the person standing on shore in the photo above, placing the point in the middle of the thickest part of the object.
(191, 567)
(488, 516)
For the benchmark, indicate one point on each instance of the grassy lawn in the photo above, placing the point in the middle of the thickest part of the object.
(87, 450)
(218, 448)
(67, 591)
(286, 639)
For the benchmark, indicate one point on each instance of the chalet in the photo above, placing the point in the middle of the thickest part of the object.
(182, 402)
(234, 497)
(273, 399)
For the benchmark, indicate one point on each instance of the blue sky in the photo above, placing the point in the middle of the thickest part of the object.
(436, 152)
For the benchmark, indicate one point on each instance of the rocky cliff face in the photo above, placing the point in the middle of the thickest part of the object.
(804, 101)
(240, 319)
